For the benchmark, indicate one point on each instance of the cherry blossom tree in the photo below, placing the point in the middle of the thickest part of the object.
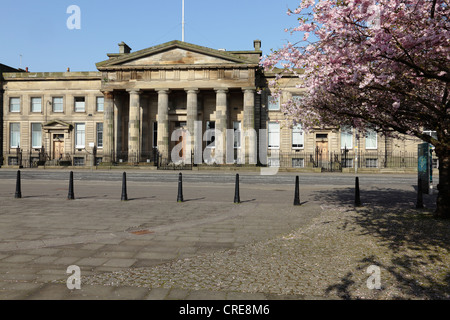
(383, 64)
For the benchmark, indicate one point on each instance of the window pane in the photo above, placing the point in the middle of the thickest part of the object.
(100, 103)
(36, 104)
(346, 138)
(274, 103)
(14, 104)
(100, 135)
(79, 135)
(371, 139)
(14, 135)
(296, 98)
(297, 136)
(298, 162)
(274, 135)
(79, 104)
(57, 104)
(371, 163)
(36, 135)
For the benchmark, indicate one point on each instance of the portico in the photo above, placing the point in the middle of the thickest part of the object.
(150, 93)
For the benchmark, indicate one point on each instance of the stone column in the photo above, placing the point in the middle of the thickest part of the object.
(192, 112)
(108, 127)
(134, 125)
(163, 123)
(118, 104)
(221, 124)
(248, 126)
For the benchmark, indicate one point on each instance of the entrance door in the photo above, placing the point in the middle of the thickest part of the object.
(58, 150)
(322, 148)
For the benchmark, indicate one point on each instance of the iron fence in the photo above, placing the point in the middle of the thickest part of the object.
(336, 161)
(327, 161)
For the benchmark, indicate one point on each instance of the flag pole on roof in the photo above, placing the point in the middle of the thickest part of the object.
(182, 21)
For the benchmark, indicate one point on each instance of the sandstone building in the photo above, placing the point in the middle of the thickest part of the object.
(130, 109)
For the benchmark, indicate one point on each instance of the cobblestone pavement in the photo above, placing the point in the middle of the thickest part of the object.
(152, 247)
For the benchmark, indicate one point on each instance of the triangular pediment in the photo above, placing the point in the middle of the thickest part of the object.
(174, 53)
(57, 125)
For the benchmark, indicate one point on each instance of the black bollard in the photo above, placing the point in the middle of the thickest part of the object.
(357, 198)
(180, 189)
(237, 198)
(419, 204)
(70, 195)
(124, 196)
(296, 193)
(18, 186)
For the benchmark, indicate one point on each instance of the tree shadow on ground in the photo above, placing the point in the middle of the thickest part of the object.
(415, 242)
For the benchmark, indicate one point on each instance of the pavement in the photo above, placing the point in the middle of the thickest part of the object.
(207, 247)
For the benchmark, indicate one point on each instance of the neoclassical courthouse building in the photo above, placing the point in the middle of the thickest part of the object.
(128, 110)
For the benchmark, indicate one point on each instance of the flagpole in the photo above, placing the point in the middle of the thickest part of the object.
(182, 22)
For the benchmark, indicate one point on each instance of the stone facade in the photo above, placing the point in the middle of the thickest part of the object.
(134, 103)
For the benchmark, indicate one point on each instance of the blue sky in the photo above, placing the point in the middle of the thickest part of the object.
(38, 30)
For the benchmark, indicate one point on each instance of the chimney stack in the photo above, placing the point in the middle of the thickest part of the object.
(124, 48)
(257, 45)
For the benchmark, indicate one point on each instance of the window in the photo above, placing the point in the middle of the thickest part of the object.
(237, 134)
(297, 137)
(210, 134)
(80, 135)
(14, 104)
(57, 103)
(99, 104)
(274, 103)
(78, 161)
(36, 135)
(13, 161)
(347, 163)
(297, 98)
(298, 162)
(36, 105)
(155, 134)
(371, 139)
(346, 138)
(274, 135)
(273, 162)
(80, 105)
(14, 135)
(372, 163)
(100, 135)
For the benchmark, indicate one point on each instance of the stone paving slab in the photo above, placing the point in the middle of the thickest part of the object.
(152, 247)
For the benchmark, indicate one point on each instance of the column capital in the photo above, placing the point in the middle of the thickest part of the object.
(191, 90)
(221, 90)
(133, 91)
(109, 94)
(248, 89)
(163, 90)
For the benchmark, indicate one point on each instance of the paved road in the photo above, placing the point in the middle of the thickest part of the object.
(142, 242)
(214, 177)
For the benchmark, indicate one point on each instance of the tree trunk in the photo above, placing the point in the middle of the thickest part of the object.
(443, 199)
